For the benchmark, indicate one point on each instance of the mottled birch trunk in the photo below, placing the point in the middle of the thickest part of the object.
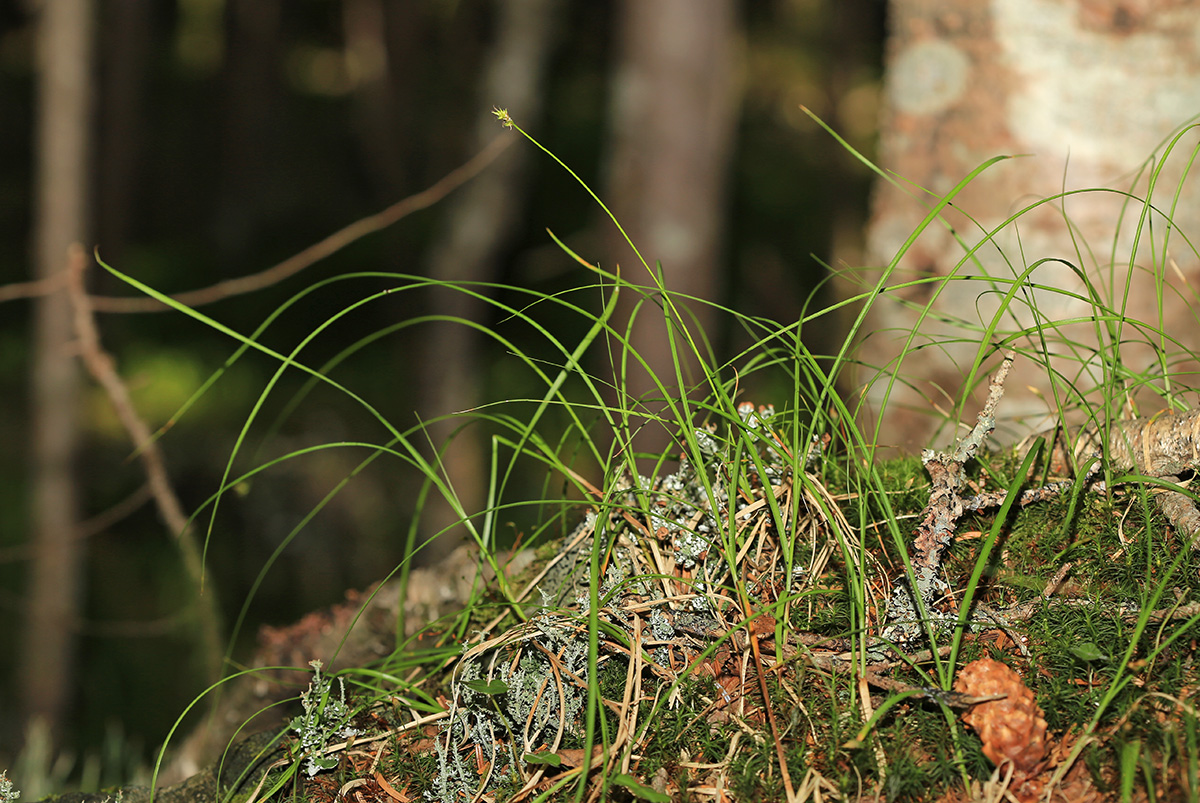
(1088, 91)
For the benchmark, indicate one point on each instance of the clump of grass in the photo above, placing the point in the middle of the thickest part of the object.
(715, 627)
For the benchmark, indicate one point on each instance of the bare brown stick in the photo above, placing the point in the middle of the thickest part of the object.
(34, 289)
(320, 250)
(292, 265)
(101, 366)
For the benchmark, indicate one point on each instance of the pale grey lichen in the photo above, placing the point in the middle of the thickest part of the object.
(324, 718)
(690, 547)
(538, 694)
(614, 575)
(755, 418)
(7, 793)
(707, 443)
(512, 696)
(661, 626)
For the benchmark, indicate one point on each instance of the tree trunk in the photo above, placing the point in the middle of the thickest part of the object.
(251, 107)
(376, 99)
(481, 224)
(47, 656)
(126, 28)
(673, 112)
(1088, 90)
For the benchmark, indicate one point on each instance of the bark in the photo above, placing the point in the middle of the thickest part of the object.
(251, 95)
(375, 98)
(126, 31)
(47, 654)
(1160, 446)
(674, 107)
(481, 225)
(1166, 447)
(406, 37)
(967, 81)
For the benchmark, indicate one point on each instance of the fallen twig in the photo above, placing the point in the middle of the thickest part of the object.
(1165, 446)
(100, 365)
(936, 530)
(290, 266)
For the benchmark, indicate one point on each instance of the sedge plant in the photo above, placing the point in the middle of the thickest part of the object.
(719, 623)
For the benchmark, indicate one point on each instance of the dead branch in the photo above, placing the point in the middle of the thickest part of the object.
(946, 504)
(1159, 446)
(101, 366)
(290, 266)
(1164, 446)
(34, 289)
(319, 250)
(940, 517)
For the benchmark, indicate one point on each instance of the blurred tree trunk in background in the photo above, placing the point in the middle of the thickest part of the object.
(64, 94)
(482, 220)
(125, 30)
(252, 65)
(674, 107)
(405, 31)
(381, 94)
(1089, 90)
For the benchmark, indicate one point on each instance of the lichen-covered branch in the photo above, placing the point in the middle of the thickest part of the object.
(938, 520)
(1163, 446)
(1159, 446)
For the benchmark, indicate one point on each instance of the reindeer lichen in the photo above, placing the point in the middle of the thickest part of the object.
(7, 793)
(324, 718)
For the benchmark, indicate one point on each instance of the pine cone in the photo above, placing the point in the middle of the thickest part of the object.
(1013, 729)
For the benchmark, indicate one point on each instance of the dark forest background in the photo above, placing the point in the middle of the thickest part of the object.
(225, 136)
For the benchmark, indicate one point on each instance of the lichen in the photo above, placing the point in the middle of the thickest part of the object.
(324, 718)
(659, 545)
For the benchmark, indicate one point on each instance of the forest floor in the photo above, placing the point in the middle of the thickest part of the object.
(1050, 656)
(767, 647)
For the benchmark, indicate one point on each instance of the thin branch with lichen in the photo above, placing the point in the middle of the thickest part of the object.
(940, 517)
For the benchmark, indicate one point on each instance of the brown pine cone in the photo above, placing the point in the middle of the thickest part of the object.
(1013, 729)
